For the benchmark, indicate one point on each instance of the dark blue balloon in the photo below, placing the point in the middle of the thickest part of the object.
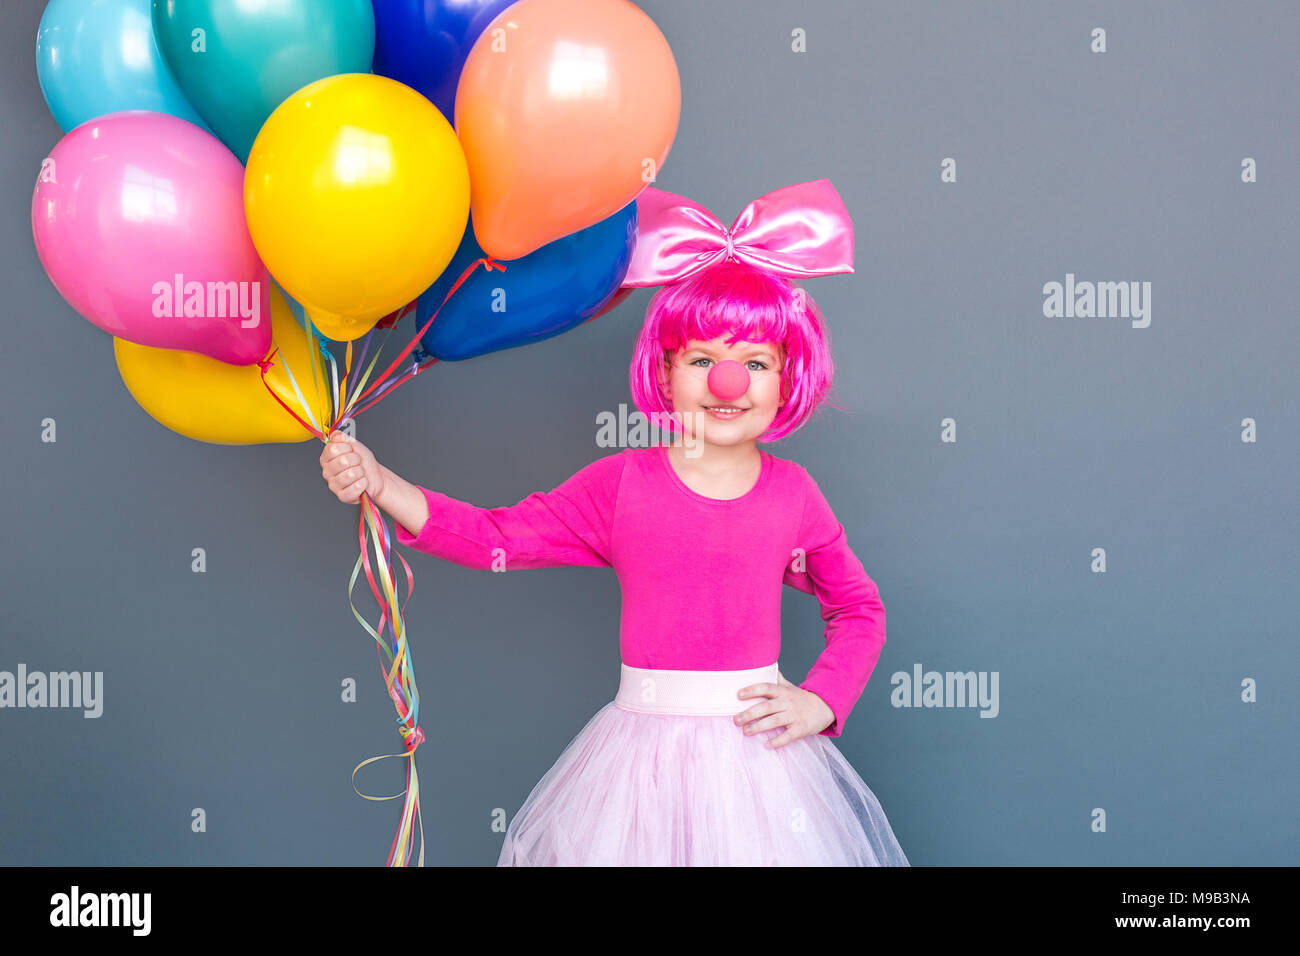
(424, 43)
(542, 294)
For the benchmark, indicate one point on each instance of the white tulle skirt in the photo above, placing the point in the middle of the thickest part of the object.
(662, 776)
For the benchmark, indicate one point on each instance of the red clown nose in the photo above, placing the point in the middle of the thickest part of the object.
(728, 380)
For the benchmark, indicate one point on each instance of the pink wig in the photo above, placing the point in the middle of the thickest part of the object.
(749, 305)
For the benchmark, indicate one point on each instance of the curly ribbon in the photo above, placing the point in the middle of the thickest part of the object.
(400, 678)
(346, 392)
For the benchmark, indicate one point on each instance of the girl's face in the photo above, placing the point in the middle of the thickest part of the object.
(704, 416)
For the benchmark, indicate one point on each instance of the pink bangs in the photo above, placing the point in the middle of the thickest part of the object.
(745, 304)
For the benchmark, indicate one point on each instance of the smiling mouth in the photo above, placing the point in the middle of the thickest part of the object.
(728, 410)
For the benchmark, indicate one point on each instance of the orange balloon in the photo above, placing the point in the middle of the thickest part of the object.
(566, 110)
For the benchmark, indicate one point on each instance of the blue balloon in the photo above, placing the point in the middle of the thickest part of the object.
(424, 43)
(100, 56)
(540, 295)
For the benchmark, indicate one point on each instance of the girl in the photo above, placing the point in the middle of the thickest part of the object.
(707, 756)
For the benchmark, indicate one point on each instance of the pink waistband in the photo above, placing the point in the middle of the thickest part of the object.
(693, 693)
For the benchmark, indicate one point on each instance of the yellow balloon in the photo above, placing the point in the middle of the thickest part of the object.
(356, 193)
(208, 400)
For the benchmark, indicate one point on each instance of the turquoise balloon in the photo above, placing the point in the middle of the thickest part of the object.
(237, 62)
(100, 56)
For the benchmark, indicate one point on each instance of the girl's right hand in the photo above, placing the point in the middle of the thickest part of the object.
(350, 468)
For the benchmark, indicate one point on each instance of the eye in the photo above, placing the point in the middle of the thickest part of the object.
(697, 362)
(762, 366)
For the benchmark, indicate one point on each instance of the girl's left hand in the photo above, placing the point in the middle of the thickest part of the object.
(801, 712)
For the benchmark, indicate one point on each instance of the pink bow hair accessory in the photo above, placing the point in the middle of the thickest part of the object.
(801, 230)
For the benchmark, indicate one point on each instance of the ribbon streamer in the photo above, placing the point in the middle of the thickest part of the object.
(346, 392)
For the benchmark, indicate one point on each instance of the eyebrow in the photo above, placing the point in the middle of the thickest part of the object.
(756, 350)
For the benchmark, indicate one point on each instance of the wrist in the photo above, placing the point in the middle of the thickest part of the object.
(828, 715)
(402, 501)
(387, 487)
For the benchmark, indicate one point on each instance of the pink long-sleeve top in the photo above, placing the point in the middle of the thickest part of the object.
(701, 577)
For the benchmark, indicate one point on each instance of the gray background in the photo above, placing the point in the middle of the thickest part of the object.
(1118, 690)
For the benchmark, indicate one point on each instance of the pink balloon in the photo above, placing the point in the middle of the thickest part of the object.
(138, 219)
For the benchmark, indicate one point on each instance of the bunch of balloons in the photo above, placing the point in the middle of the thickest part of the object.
(243, 182)
(242, 179)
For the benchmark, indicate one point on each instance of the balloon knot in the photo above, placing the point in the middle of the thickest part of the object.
(390, 320)
(414, 739)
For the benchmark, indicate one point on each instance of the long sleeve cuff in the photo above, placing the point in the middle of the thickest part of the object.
(838, 707)
(434, 537)
(438, 538)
